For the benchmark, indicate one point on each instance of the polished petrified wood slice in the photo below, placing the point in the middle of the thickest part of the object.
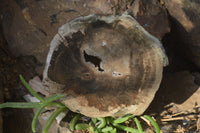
(104, 65)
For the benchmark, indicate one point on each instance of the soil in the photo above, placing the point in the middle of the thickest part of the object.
(10, 68)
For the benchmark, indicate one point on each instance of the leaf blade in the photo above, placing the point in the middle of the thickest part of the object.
(20, 105)
(30, 89)
(51, 119)
(153, 122)
(123, 119)
(38, 112)
(73, 121)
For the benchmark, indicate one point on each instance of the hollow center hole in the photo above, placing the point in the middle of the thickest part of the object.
(96, 61)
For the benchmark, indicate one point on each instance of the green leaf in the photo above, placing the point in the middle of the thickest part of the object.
(125, 128)
(81, 126)
(51, 119)
(20, 105)
(30, 89)
(53, 98)
(114, 130)
(153, 122)
(138, 125)
(91, 129)
(73, 121)
(103, 122)
(107, 129)
(123, 119)
(109, 120)
(37, 115)
(94, 120)
(57, 104)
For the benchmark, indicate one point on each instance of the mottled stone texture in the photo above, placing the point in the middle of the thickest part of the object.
(152, 15)
(29, 25)
(186, 16)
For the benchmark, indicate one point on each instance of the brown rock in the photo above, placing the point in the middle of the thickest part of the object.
(186, 14)
(182, 90)
(152, 16)
(105, 66)
(29, 26)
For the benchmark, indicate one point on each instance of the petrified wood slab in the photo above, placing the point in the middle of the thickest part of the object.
(104, 65)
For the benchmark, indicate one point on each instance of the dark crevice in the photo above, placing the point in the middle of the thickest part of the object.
(94, 60)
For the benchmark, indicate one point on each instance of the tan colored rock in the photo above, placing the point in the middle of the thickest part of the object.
(104, 65)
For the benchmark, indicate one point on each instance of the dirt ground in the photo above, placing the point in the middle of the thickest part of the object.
(12, 90)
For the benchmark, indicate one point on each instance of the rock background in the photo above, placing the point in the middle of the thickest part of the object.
(1, 94)
(186, 15)
(28, 27)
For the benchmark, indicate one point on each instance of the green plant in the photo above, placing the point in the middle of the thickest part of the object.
(111, 125)
(96, 125)
(49, 101)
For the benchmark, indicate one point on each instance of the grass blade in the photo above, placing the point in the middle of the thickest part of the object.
(123, 119)
(57, 104)
(153, 122)
(53, 98)
(94, 120)
(114, 130)
(51, 119)
(125, 128)
(37, 115)
(73, 121)
(81, 126)
(103, 122)
(20, 105)
(30, 89)
(138, 125)
(107, 129)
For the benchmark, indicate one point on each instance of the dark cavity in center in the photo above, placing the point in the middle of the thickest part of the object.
(94, 60)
